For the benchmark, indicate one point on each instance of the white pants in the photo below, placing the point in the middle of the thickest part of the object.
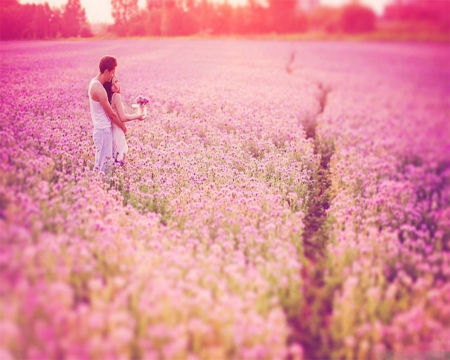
(103, 149)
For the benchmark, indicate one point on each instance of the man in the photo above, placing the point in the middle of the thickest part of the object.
(102, 114)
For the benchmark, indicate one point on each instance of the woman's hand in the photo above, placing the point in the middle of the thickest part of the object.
(142, 117)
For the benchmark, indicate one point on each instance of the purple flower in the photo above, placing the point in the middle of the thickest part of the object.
(142, 100)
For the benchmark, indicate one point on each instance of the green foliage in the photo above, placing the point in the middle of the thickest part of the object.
(31, 21)
(357, 19)
(418, 21)
(325, 18)
(351, 19)
(74, 20)
(142, 198)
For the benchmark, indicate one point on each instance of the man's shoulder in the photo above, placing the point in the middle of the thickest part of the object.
(97, 86)
(94, 81)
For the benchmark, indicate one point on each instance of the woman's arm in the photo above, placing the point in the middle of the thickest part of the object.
(117, 100)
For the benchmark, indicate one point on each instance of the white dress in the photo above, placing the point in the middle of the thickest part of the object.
(120, 146)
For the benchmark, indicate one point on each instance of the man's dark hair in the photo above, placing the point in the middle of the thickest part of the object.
(107, 63)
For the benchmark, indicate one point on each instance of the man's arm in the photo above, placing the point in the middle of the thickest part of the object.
(100, 94)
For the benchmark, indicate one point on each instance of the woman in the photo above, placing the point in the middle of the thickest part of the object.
(120, 147)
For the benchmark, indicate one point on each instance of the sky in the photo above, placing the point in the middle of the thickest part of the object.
(99, 11)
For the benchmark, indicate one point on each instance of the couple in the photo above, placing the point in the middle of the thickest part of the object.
(108, 116)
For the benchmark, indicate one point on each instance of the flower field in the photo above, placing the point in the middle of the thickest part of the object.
(267, 209)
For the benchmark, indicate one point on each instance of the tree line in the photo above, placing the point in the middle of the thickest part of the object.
(193, 17)
(31, 21)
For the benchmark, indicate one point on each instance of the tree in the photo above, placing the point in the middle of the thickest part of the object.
(258, 17)
(54, 21)
(40, 22)
(73, 19)
(154, 4)
(167, 18)
(29, 21)
(10, 26)
(284, 15)
(223, 18)
(123, 11)
(356, 18)
(205, 12)
(432, 12)
(326, 18)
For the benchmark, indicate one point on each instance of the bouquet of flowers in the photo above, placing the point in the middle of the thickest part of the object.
(142, 102)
